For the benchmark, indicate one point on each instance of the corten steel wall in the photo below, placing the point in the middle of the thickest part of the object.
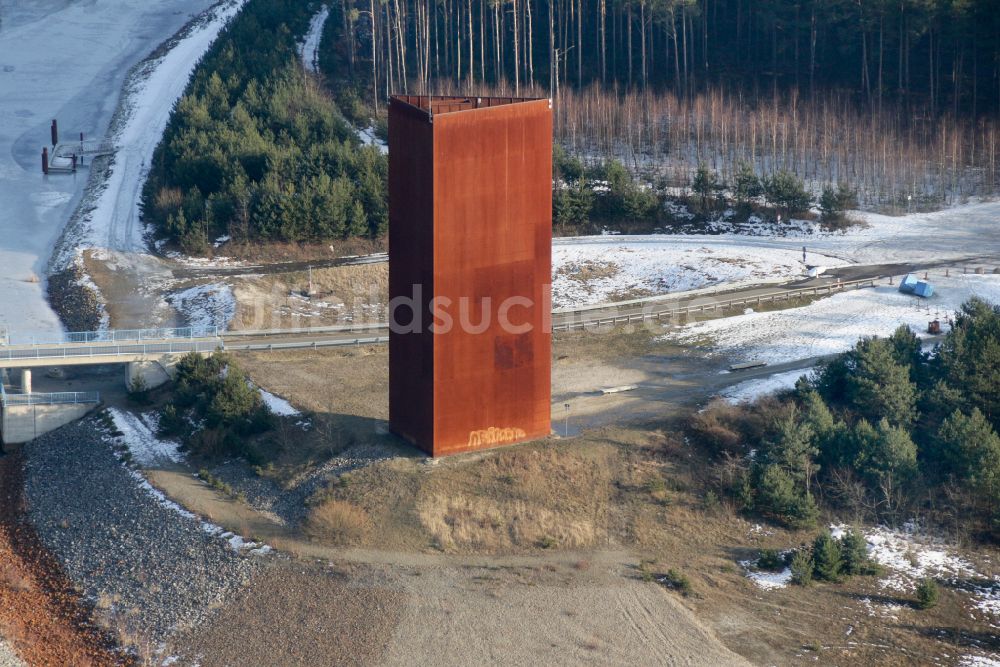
(480, 231)
(411, 262)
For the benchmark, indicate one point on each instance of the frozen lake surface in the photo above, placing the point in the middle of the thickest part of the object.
(62, 59)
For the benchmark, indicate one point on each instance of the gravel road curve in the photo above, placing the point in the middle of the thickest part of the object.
(131, 555)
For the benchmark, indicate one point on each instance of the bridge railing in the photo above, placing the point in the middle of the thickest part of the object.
(119, 335)
(58, 398)
(112, 350)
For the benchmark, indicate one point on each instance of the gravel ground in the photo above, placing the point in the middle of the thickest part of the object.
(288, 505)
(7, 657)
(155, 570)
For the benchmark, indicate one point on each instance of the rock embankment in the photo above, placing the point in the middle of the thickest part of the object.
(40, 610)
(148, 567)
(76, 304)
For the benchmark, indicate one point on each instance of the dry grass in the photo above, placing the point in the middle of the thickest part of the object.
(344, 392)
(537, 496)
(339, 522)
(600, 345)
(589, 270)
(341, 295)
(301, 252)
(523, 498)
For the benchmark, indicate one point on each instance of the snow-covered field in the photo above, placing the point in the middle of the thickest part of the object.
(591, 270)
(62, 60)
(834, 324)
(662, 263)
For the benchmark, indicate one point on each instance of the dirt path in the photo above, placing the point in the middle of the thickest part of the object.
(40, 612)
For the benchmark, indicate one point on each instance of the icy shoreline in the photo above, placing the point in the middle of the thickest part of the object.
(79, 84)
(108, 216)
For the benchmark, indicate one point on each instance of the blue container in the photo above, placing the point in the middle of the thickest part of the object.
(924, 289)
(909, 284)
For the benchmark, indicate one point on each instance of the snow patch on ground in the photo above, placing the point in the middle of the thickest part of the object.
(277, 405)
(236, 542)
(212, 305)
(309, 49)
(159, 495)
(766, 580)
(833, 325)
(592, 270)
(368, 138)
(908, 555)
(139, 436)
(751, 390)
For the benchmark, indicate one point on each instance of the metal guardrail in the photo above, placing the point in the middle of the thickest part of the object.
(340, 328)
(11, 357)
(92, 147)
(676, 310)
(116, 335)
(343, 342)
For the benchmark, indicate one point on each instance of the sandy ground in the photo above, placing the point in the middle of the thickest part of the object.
(533, 616)
(298, 613)
(448, 615)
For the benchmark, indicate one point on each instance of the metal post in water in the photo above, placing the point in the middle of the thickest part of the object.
(55, 132)
(45, 160)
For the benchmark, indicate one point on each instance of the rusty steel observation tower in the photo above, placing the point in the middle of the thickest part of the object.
(470, 249)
